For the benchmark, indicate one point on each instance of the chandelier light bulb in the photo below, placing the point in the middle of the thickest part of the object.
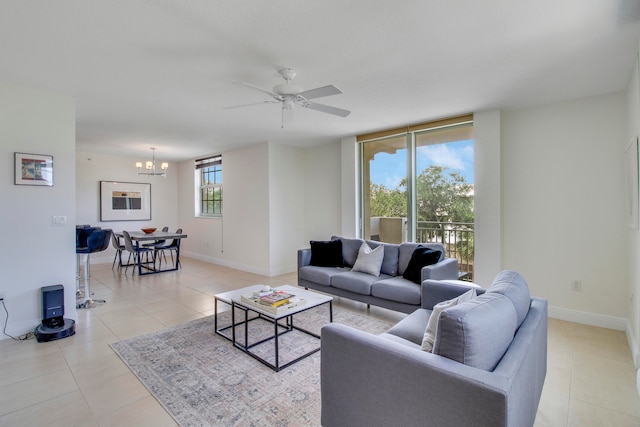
(150, 166)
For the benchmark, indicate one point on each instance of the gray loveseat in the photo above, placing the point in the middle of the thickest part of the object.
(389, 289)
(487, 367)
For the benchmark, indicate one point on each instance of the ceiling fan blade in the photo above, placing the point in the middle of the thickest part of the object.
(274, 95)
(320, 92)
(249, 105)
(327, 109)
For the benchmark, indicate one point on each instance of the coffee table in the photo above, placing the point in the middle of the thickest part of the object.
(282, 323)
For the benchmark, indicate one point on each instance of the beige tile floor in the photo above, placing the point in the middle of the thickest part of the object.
(79, 381)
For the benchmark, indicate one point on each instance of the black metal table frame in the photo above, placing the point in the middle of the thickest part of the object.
(153, 270)
(288, 326)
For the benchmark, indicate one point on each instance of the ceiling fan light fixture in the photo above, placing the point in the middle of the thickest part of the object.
(285, 89)
(287, 104)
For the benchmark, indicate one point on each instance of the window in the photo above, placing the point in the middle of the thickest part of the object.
(209, 185)
(417, 185)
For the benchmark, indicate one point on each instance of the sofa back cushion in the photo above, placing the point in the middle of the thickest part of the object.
(350, 248)
(406, 249)
(390, 261)
(477, 332)
(512, 285)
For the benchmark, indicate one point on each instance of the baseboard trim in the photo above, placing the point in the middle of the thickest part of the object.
(18, 329)
(591, 319)
(635, 349)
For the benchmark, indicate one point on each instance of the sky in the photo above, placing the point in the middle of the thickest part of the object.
(390, 169)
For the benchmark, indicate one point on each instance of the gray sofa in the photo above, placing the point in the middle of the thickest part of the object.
(389, 289)
(487, 368)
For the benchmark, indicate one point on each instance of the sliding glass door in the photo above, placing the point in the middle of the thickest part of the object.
(417, 185)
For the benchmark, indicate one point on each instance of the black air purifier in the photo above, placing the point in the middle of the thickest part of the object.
(54, 326)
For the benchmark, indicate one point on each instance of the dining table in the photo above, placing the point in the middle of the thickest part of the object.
(139, 237)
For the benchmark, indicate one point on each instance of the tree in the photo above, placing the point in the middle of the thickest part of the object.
(442, 196)
(388, 203)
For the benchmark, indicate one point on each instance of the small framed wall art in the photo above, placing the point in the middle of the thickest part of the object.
(33, 169)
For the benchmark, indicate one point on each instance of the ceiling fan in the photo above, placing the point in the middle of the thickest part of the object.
(289, 95)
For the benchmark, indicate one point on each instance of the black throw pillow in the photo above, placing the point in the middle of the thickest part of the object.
(326, 253)
(421, 257)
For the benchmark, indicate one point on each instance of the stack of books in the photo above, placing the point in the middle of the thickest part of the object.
(274, 302)
(275, 298)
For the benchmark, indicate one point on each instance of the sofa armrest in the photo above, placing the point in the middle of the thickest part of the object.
(368, 380)
(435, 291)
(445, 269)
(304, 257)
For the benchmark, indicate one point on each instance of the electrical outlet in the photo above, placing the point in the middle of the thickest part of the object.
(576, 285)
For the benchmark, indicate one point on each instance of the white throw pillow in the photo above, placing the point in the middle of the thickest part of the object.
(369, 260)
(432, 325)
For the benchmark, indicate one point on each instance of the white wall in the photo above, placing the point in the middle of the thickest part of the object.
(91, 168)
(241, 238)
(323, 192)
(633, 131)
(350, 182)
(562, 205)
(488, 193)
(286, 207)
(35, 253)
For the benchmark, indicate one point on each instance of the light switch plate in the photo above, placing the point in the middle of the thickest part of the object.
(58, 220)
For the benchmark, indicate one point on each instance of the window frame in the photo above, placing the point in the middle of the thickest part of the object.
(203, 167)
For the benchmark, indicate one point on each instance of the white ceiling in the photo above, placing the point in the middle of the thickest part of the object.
(158, 72)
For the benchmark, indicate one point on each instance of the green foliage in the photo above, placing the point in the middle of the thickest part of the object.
(388, 203)
(442, 196)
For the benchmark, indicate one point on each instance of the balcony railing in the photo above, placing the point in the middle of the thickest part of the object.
(457, 238)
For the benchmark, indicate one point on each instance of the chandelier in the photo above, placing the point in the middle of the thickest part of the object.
(150, 166)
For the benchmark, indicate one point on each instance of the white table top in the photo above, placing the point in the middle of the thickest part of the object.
(312, 299)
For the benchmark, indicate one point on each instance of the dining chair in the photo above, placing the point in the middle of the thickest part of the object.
(136, 251)
(119, 247)
(173, 246)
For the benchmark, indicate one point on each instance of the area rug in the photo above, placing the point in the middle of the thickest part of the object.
(202, 380)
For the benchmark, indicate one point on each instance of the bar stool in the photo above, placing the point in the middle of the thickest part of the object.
(96, 241)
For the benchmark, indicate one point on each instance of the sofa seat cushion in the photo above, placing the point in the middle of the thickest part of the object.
(412, 327)
(477, 332)
(512, 285)
(397, 289)
(320, 275)
(355, 281)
